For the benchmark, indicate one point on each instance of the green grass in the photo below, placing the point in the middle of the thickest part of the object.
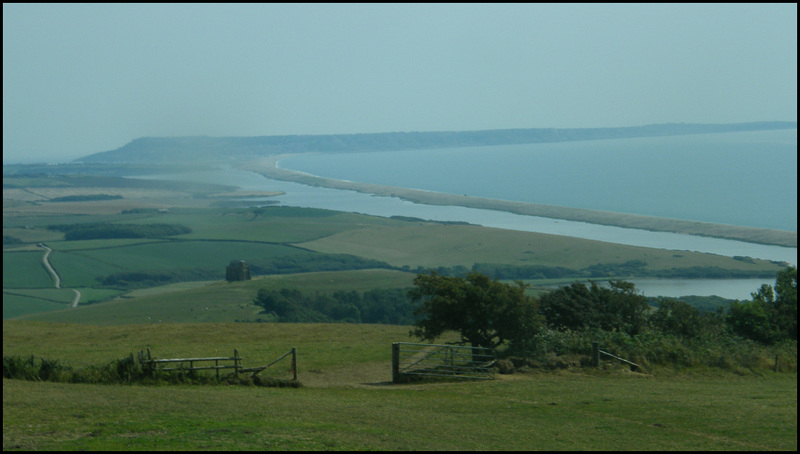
(17, 305)
(57, 295)
(275, 224)
(347, 404)
(33, 235)
(97, 244)
(25, 270)
(174, 255)
(94, 295)
(449, 245)
(218, 301)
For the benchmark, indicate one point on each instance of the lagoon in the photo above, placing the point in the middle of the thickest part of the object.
(746, 179)
(351, 201)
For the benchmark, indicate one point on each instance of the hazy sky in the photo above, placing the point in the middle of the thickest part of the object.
(79, 79)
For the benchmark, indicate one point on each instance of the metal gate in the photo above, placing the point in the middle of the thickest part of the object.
(440, 361)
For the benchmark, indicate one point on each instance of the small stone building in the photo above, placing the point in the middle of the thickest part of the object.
(237, 271)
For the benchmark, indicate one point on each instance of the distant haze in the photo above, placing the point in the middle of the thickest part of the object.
(81, 79)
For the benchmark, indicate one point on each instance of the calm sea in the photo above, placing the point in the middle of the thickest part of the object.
(746, 178)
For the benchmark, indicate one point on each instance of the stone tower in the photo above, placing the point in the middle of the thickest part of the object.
(237, 271)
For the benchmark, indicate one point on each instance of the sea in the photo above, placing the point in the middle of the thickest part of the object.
(745, 178)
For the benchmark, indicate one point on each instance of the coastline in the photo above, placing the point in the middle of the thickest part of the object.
(268, 168)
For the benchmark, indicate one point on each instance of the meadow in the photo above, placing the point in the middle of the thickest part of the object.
(168, 294)
(347, 403)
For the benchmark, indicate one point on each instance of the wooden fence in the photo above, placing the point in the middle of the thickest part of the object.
(440, 361)
(196, 364)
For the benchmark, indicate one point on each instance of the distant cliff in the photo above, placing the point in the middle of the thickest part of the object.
(203, 148)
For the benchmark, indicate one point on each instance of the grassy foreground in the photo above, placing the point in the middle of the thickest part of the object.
(346, 402)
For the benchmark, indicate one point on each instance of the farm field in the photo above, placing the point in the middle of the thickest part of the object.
(346, 402)
(434, 245)
(273, 240)
(216, 301)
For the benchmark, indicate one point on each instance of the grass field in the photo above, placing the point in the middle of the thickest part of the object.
(17, 305)
(270, 235)
(25, 270)
(217, 301)
(436, 245)
(346, 402)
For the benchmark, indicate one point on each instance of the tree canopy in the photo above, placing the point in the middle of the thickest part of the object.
(772, 313)
(485, 312)
(619, 308)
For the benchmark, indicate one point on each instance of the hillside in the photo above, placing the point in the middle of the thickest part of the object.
(204, 148)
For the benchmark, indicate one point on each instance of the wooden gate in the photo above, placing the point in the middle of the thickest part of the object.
(189, 364)
(440, 361)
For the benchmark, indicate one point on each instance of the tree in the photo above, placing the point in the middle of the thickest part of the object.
(750, 319)
(772, 313)
(579, 307)
(676, 317)
(485, 312)
(785, 306)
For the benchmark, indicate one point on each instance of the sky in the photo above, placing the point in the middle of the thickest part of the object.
(81, 79)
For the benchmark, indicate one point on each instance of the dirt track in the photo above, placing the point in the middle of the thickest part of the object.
(54, 275)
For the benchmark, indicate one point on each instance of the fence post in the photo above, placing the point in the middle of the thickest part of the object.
(294, 363)
(595, 354)
(395, 362)
(236, 363)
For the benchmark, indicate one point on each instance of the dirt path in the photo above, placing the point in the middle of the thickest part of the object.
(56, 278)
(46, 263)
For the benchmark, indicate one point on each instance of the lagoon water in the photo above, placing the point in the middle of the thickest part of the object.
(744, 178)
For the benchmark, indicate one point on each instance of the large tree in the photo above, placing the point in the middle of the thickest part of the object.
(578, 306)
(485, 312)
(772, 313)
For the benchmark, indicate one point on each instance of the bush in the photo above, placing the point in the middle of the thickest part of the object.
(651, 348)
(126, 370)
(384, 306)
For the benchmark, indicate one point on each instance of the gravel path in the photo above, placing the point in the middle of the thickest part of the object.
(54, 275)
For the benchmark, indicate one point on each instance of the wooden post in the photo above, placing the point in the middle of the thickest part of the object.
(130, 366)
(236, 363)
(216, 365)
(294, 363)
(395, 362)
(596, 354)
